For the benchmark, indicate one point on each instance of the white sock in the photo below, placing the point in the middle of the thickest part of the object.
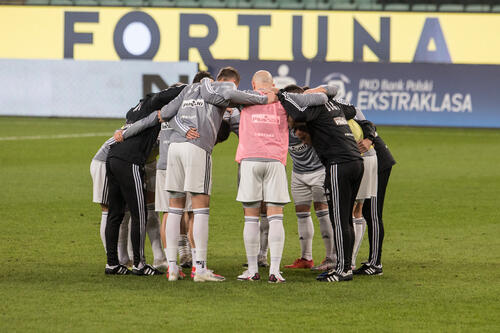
(264, 235)
(123, 256)
(173, 229)
(306, 234)
(193, 256)
(251, 233)
(276, 241)
(153, 230)
(359, 231)
(326, 229)
(200, 235)
(104, 220)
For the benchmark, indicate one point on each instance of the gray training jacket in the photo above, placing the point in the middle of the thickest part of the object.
(201, 106)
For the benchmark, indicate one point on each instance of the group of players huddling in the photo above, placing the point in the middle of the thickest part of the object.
(339, 163)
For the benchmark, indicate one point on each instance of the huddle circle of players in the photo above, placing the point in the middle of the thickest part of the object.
(339, 163)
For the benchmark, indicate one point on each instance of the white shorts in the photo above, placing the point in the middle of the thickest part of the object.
(307, 187)
(189, 169)
(100, 182)
(368, 186)
(263, 181)
(150, 175)
(162, 196)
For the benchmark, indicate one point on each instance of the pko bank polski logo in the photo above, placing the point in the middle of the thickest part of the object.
(342, 82)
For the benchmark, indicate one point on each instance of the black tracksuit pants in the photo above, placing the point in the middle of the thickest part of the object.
(372, 212)
(126, 188)
(341, 186)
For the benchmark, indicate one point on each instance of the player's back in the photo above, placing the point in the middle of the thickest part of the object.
(263, 133)
(194, 112)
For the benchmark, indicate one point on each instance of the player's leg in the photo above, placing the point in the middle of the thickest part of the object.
(342, 183)
(100, 193)
(198, 181)
(174, 183)
(264, 235)
(185, 257)
(116, 212)
(102, 229)
(302, 197)
(326, 230)
(123, 241)
(317, 182)
(153, 220)
(275, 192)
(250, 195)
(172, 231)
(251, 239)
(359, 225)
(384, 178)
(373, 213)
(131, 182)
(369, 190)
(161, 204)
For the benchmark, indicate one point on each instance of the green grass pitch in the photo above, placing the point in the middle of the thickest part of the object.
(441, 252)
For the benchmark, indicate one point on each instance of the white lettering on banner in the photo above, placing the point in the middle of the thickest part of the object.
(404, 101)
(409, 95)
(191, 103)
(261, 118)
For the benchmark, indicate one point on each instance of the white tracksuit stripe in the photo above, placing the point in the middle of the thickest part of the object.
(336, 218)
(375, 232)
(140, 203)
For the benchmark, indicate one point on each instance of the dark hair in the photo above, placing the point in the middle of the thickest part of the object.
(293, 88)
(201, 75)
(224, 131)
(306, 88)
(228, 73)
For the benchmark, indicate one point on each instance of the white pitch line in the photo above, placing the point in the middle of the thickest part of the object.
(56, 136)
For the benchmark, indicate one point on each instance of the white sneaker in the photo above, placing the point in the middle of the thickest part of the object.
(276, 278)
(247, 276)
(208, 275)
(160, 265)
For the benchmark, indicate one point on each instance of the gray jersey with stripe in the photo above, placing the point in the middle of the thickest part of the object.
(303, 156)
(234, 120)
(129, 130)
(201, 106)
(164, 138)
(102, 153)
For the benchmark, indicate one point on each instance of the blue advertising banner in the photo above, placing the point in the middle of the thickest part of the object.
(396, 94)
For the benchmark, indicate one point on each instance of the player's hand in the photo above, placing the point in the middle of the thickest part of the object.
(364, 145)
(192, 133)
(271, 97)
(159, 116)
(118, 136)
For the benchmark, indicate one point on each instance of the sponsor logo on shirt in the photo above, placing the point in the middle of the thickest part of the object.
(191, 103)
(340, 121)
(297, 148)
(265, 119)
(187, 117)
(265, 135)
